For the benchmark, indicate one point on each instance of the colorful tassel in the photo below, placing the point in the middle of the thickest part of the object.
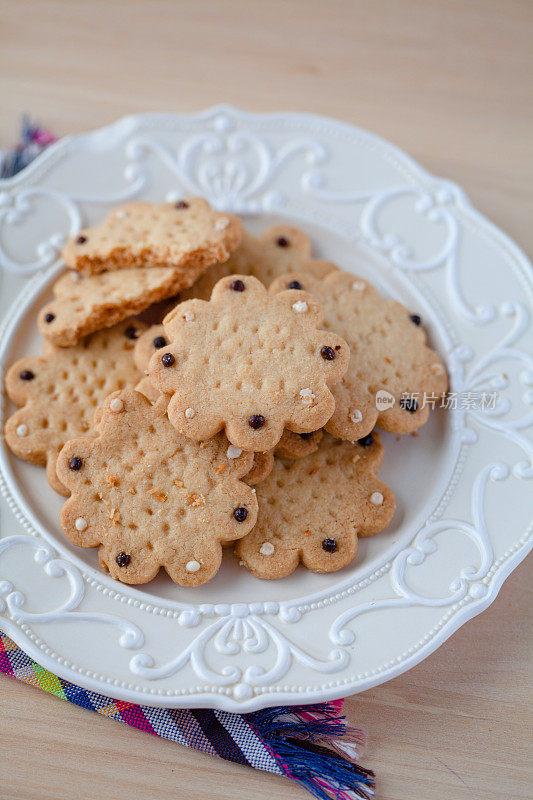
(316, 748)
(33, 140)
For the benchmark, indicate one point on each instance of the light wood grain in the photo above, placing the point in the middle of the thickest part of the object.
(450, 82)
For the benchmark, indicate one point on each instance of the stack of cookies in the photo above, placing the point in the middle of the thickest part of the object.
(247, 415)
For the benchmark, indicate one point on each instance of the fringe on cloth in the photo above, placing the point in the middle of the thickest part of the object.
(33, 140)
(317, 749)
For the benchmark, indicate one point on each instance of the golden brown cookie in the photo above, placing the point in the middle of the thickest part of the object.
(57, 392)
(149, 497)
(274, 252)
(250, 363)
(83, 304)
(390, 360)
(188, 235)
(314, 509)
(291, 445)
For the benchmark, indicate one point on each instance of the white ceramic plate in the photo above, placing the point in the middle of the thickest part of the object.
(462, 485)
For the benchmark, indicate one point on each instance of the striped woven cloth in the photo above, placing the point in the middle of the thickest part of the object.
(312, 744)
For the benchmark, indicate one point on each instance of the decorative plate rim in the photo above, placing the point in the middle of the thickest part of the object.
(474, 592)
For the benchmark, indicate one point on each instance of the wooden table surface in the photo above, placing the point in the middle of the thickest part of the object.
(450, 82)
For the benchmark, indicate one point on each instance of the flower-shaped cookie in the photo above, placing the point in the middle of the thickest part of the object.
(291, 445)
(188, 235)
(86, 304)
(58, 392)
(313, 510)
(250, 363)
(274, 252)
(391, 367)
(149, 497)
